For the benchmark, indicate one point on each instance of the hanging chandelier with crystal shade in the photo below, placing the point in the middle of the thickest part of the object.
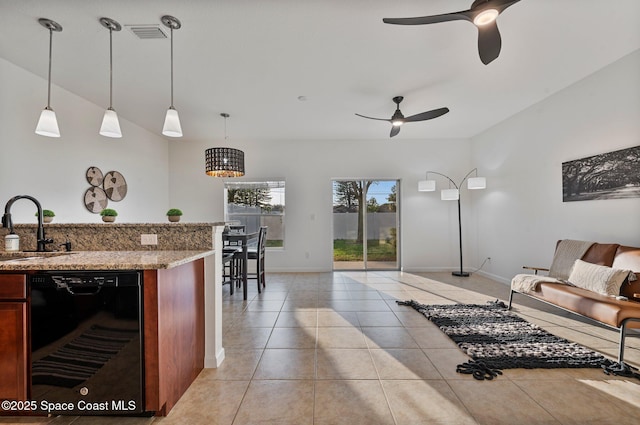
(224, 161)
(172, 127)
(110, 124)
(48, 124)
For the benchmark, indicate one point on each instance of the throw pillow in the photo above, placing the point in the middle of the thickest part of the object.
(601, 279)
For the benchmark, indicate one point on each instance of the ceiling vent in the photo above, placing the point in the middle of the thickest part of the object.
(147, 32)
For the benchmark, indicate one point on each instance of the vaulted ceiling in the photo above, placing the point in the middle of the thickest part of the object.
(255, 59)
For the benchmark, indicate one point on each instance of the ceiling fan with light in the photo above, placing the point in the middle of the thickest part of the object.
(398, 119)
(483, 15)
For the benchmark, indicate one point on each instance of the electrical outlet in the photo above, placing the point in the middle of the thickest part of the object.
(149, 239)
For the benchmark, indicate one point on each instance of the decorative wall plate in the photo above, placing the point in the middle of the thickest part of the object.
(94, 176)
(115, 186)
(95, 199)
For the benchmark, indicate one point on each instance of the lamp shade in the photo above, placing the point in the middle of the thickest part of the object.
(426, 185)
(48, 124)
(477, 183)
(110, 124)
(449, 194)
(224, 162)
(172, 126)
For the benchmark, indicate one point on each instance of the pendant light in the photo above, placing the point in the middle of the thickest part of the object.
(110, 124)
(171, 126)
(224, 161)
(48, 124)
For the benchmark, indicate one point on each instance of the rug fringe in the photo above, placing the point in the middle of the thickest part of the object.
(497, 303)
(620, 369)
(479, 370)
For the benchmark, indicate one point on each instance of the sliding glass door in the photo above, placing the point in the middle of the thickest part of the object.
(365, 225)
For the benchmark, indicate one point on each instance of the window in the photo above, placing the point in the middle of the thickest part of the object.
(255, 204)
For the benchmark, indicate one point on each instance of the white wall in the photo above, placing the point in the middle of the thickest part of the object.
(521, 215)
(53, 170)
(429, 226)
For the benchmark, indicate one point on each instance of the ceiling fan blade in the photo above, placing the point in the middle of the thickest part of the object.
(489, 42)
(394, 130)
(429, 115)
(371, 118)
(464, 15)
(502, 5)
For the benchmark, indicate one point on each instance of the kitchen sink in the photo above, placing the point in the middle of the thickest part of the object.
(26, 255)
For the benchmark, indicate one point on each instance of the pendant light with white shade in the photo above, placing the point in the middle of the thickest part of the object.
(110, 124)
(48, 124)
(172, 127)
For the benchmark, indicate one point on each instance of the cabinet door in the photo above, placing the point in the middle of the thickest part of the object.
(13, 350)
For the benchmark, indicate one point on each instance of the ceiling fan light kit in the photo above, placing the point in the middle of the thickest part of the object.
(398, 119)
(483, 14)
(486, 17)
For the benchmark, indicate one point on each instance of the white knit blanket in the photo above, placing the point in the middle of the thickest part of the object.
(567, 252)
(527, 283)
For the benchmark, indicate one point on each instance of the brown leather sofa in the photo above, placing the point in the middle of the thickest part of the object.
(610, 311)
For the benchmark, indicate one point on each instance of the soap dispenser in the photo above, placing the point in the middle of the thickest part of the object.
(12, 242)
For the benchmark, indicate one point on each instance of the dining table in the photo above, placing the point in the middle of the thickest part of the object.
(241, 240)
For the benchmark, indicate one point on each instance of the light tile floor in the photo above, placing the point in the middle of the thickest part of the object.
(335, 348)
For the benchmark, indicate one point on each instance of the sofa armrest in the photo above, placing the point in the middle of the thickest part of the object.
(535, 269)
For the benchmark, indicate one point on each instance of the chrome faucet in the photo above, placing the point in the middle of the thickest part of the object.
(41, 240)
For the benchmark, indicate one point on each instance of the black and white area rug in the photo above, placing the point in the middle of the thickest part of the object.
(496, 339)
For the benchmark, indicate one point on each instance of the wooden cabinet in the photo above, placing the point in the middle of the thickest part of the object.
(13, 337)
(173, 333)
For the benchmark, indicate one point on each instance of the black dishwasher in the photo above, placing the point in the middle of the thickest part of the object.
(86, 343)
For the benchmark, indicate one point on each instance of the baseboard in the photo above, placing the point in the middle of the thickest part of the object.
(494, 277)
(429, 269)
(212, 363)
(298, 270)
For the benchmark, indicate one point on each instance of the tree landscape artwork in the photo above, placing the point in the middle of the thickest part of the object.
(612, 175)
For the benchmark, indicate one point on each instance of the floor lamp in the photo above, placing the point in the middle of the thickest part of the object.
(451, 194)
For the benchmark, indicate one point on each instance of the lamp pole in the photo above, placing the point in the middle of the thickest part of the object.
(460, 272)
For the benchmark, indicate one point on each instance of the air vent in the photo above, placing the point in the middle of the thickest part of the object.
(147, 32)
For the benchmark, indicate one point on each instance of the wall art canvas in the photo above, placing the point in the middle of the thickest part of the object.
(611, 175)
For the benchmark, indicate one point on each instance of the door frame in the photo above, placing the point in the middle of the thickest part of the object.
(398, 183)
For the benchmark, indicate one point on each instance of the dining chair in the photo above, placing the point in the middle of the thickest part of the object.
(257, 253)
(229, 269)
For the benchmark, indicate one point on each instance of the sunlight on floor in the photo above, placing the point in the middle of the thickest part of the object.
(625, 390)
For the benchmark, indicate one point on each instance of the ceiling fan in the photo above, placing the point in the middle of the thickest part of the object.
(398, 119)
(483, 15)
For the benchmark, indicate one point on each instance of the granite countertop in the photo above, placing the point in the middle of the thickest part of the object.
(99, 260)
(102, 225)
